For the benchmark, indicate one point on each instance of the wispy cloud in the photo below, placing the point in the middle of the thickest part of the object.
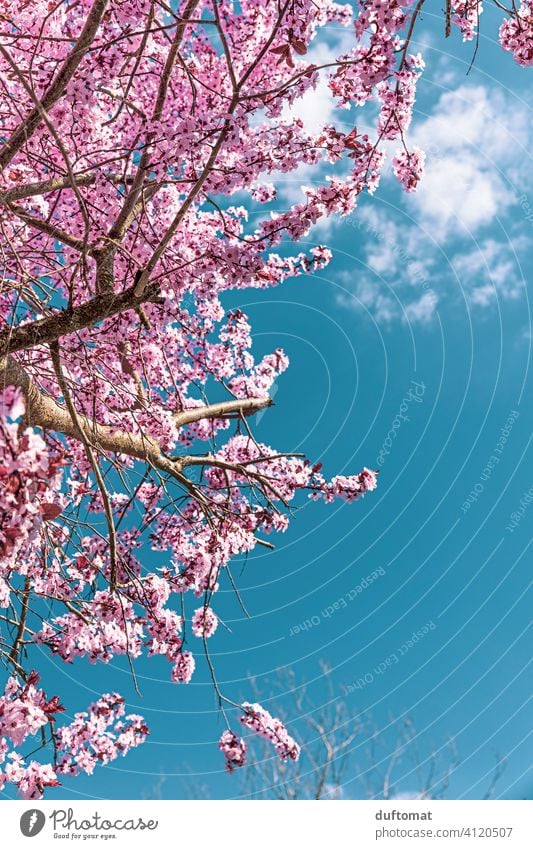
(361, 293)
(423, 310)
(405, 274)
(492, 270)
(395, 283)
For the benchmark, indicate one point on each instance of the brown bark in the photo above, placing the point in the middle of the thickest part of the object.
(43, 411)
(69, 321)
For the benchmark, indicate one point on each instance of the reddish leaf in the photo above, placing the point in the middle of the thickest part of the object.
(299, 46)
(53, 705)
(33, 678)
(50, 511)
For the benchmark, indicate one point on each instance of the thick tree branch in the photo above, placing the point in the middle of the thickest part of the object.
(59, 324)
(43, 411)
(55, 184)
(244, 406)
(44, 186)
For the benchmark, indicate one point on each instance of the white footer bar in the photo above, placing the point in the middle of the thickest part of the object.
(276, 825)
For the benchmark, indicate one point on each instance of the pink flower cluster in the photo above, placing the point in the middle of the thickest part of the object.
(466, 16)
(398, 97)
(183, 669)
(30, 779)
(264, 193)
(98, 736)
(408, 167)
(24, 709)
(259, 720)
(516, 33)
(204, 622)
(164, 627)
(348, 488)
(233, 749)
(29, 482)
(86, 742)
(104, 627)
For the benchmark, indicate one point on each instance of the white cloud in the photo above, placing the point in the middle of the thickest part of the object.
(395, 285)
(476, 142)
(367, 294)
(395, 248)
(383, 252)
(457, 193)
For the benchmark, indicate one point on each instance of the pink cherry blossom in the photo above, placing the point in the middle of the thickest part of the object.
(466, 16)
(98, 736)
(408, 167)
(143, 155)
(516, 33)
(204, 622)
(262, 723)
(233, 749)
(183, 669)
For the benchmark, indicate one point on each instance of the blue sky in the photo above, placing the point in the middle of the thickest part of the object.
(428, 290)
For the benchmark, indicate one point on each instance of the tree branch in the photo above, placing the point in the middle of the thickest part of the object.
(46, 227)
(246, 406)
(43, 411)
(59, 324)
(127, 213)
(43, 186)
(57, 88)
(55, 184)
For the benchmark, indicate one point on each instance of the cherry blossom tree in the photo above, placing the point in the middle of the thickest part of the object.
(135, 136)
